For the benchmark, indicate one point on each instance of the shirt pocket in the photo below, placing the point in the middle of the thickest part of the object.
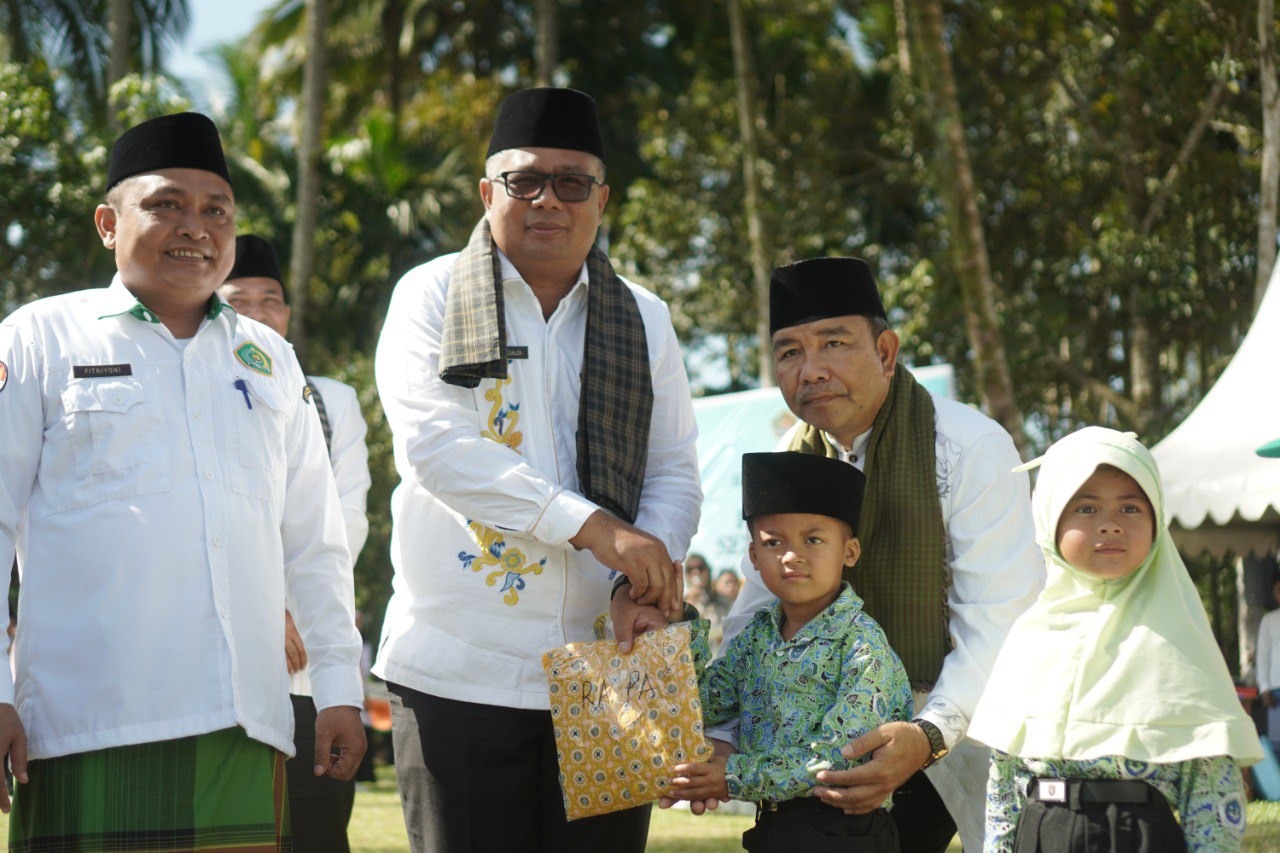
(119, 448)
(258, 464)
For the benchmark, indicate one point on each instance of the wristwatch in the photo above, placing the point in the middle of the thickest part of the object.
(937, 743)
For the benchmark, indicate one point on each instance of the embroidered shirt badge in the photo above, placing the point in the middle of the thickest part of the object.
(252, 357)
(4, 375)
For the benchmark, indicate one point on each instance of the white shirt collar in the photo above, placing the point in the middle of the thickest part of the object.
(855, 452)
(510, 272)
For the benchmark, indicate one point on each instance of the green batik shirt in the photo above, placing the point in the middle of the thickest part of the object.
(1207, 794)
(800, 700)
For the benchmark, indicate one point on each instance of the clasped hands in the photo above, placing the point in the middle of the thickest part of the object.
(655, 578)
(897, 749)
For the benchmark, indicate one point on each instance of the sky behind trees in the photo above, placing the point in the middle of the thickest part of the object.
(213, 22)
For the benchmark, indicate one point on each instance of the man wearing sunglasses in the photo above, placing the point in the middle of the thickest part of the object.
(544, 435)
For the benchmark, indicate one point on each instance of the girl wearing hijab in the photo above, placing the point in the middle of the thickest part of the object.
(1110, 705)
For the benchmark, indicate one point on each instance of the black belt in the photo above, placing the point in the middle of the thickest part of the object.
(1068, 791)
(773, 806)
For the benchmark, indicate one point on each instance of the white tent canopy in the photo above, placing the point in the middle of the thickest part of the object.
(1219, 494)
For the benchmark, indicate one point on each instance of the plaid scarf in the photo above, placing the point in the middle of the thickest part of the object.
(616, 401)
(902, 575)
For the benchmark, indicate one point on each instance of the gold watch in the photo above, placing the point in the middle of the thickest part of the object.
(937, 743)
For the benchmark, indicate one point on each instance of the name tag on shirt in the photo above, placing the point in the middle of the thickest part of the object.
(93, 371)
(516, 352)
(1051, 790)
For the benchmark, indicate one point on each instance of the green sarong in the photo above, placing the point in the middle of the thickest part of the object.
(217, 791)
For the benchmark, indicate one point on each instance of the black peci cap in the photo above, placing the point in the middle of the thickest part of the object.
(256, 258)
(820, 288)
(801, 482)
(547, 118)
(179, 141)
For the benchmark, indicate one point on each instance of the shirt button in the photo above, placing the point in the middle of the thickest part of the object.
(119, 399)
(208, 475)
(223, 612)
(217, 541)
(199, 414)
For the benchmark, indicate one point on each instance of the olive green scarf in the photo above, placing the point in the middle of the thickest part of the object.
(902, 574)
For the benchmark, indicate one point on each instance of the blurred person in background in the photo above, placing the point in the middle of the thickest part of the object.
(320, 806)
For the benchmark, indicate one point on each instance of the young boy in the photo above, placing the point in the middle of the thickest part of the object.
(810, 673)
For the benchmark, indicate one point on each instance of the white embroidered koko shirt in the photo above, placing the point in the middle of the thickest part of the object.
(485, 578)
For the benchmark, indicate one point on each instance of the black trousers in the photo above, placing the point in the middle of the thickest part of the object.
(924, 824)
(808, 825)
(486, 778)
(1098, 816)
(319, 806)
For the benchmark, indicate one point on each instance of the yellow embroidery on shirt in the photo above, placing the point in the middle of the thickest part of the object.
(503, 417)
(511, 568)
(508, 563)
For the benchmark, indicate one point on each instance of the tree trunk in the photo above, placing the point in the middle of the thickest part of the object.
(547, 46)
(13, 44)
(1143, 207)
(1141, 352)
(1247, 619)
(392, 26)
(311, 135)
(902, 31)
(120, 28)
(953, 176)
(1269, 195)
(742, 76)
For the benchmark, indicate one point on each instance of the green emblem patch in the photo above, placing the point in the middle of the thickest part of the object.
(252, 357)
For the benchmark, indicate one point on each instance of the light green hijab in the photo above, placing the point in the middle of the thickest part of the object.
(1126, 667)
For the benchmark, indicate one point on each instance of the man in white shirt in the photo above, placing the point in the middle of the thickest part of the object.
(319, 806)
(163, 484)
(545, 439)
(1268, 660)
(949, 557)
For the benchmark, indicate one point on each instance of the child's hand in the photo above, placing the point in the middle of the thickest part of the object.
(700, 781)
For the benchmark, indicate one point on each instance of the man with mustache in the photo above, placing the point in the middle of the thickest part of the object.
(545, 439)
(163, 482)
(949, 557)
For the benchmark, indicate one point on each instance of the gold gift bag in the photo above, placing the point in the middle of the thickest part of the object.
(623, 721)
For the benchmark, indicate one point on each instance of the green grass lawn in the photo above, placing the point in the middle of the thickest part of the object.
(378, 827)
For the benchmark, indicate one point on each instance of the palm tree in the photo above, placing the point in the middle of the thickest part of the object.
(74, 38)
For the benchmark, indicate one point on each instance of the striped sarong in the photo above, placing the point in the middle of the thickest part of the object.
(217, 791)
